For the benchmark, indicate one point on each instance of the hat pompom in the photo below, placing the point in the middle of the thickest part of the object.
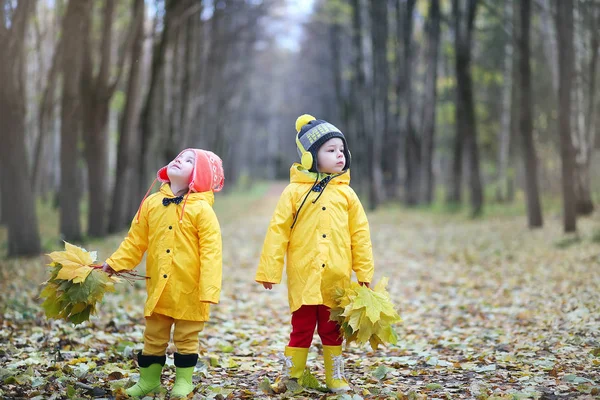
(303, 120)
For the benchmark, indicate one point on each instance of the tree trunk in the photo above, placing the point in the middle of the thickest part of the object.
(465, 110)
(146, 119)
(412, 143)
(359, 96)
(70, 128)
(505, 120)
(17, 196)
(97, 92)
(46, 106)
(430, 103)
(587, 125)
(125, 182)
(564, 30)
(550, 42)
(534, 209)
(380, 110)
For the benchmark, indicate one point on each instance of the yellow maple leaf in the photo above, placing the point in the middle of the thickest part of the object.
(73, 256)
(75, 262)
(77, 274)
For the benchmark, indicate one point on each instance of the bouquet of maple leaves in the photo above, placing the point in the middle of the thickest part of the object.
(366, 315)
(76, 284)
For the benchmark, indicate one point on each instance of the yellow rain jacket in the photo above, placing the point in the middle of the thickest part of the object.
(329, 240)
(184, 260)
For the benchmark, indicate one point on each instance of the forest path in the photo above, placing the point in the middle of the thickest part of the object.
(488, 306)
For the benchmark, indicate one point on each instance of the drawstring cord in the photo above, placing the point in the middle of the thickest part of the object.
(183, 207)
(304, 200)
(321, 185)
(137, 218)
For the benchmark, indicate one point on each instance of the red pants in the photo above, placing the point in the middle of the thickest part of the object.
(304, 321)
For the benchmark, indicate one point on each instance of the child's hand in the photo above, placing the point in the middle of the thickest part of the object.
(108, 269)
(267, 285)
(364, 284)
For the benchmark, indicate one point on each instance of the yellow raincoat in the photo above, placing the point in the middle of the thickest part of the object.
(184, 260)
(330, 239)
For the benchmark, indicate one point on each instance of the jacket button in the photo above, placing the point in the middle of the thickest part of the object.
(324, 208)
(165, 275)
(323, 265)
(168, 251)
(324, 235)
(170, 227)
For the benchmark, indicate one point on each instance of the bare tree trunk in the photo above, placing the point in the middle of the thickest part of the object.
(125, 183)
(97, 91)
(412, 143)
(380, 110)
(505, 120)
(158, 60)
(564, 30)
(430, 103)
(18, 202)
(46, 107)
(586, 116)
(70, 196)
(465, 110)
(534, 210)
(550, 42)
(359, 96)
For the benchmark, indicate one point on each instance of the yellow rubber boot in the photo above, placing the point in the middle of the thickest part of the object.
(334, 369)
(294, 361)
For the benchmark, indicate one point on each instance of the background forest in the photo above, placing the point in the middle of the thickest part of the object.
(461, 103)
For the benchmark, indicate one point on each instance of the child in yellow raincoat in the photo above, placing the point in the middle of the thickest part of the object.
(320, 227)
(178, 229)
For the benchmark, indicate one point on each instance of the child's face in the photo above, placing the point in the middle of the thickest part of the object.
(180, 169)
(330, 157)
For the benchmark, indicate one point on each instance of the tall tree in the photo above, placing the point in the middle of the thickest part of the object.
(17, 194)
(505, 119)
(464, 12)
(148, 107)
(430, 103)
(97, 91)
(406, 108)
(358, 92)
(564, 34)
(125, 182)
(534, 209)
(69, 196)
(379, 37)
(589, 20)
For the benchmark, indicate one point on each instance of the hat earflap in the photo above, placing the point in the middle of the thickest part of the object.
(306, 157)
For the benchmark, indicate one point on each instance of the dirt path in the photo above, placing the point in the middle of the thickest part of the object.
(489, 309)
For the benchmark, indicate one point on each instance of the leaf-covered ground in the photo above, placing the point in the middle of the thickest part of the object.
(491, 310)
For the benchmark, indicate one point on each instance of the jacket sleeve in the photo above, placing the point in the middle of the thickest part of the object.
(132, 249)
(270, 267)
(211, 255)
(362, 252)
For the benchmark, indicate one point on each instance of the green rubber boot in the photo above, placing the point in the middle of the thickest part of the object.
(150, 370)
(184, 370)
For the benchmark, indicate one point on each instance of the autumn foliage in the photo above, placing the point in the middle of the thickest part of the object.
(366, 315)
(75, 286)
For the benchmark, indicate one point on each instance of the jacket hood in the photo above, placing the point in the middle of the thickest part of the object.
(299, 174)
(207, 174)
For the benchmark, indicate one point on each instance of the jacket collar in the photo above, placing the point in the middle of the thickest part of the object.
(209, 197)
(299, 174)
